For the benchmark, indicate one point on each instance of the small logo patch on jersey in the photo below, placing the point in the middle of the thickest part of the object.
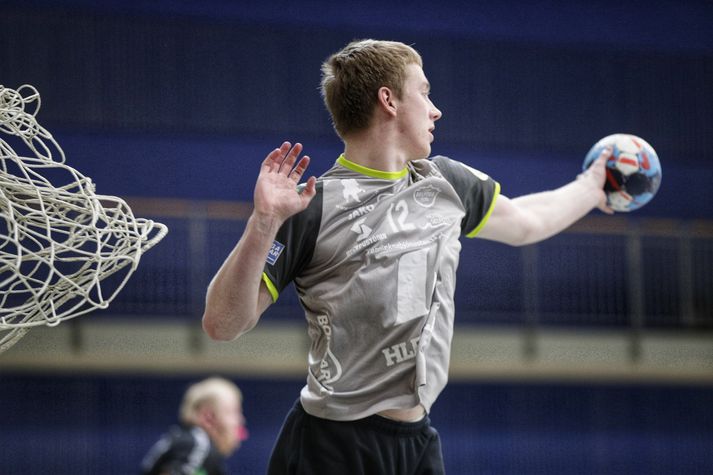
(351, 190)
(274, 253)
(426, 196)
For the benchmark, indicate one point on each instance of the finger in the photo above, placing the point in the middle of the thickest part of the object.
(284, 150)
(290, 159)
(269, 163)
(605, 154)
(274, 159)
(605, 208)
(299, 169)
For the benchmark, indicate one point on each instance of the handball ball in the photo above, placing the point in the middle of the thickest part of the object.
(633, 171)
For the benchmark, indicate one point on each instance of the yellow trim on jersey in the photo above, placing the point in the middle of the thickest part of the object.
(270, 287)
(477, 229)
(342, 160)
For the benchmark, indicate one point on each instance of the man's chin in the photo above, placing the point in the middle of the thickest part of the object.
(228, 451)
(421, 154)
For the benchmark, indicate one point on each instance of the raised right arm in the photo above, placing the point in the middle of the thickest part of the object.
(236, 296)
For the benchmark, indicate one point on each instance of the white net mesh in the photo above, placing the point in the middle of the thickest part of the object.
(59, 240)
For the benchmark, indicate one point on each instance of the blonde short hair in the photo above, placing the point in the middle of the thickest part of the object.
(206, 392)
(352, 77)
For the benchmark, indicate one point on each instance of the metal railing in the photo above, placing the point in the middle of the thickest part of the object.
(604, 271)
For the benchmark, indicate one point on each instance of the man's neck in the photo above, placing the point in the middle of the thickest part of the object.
(375, 150)
(382, 158)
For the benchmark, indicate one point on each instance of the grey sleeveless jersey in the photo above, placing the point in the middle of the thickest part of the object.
(374, 260)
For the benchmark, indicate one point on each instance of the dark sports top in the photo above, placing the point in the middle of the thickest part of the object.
(183, 450)
(374, 260)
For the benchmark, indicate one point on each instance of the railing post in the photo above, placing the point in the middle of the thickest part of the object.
(531, 299)
(635, 290)
(685, 277)
(198, 245)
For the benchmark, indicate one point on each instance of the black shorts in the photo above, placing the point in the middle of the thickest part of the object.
(369, 446)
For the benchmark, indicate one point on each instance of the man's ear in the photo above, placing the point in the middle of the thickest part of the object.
(386, 100)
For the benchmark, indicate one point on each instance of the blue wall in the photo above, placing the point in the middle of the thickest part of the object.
(63, 424)
(224, 168)
(183, 99)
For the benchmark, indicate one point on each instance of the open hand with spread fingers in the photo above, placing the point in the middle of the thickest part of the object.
(276, 194)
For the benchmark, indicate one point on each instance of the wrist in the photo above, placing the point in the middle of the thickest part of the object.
(591, 180)
(265, 223)
(592, 188)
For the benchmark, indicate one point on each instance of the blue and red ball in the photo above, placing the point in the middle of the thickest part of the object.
(633, 171)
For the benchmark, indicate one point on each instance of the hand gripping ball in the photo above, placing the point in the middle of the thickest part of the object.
(633, 171)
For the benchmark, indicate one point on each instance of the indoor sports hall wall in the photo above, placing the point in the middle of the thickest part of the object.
(84, 424)
(189, 93)
(173, 104)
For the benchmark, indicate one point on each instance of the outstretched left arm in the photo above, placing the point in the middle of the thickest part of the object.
(532, 218)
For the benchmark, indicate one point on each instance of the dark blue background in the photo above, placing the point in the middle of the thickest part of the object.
(183, 99)
(69, 424)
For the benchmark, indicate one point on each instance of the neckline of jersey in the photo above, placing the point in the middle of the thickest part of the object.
(343, 161)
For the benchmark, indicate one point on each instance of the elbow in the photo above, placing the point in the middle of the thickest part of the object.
(519, 237)
(519, 243)
(525, 239)
(213, 330)
(220, 328)
(226, 321)
(513, 225)
(531, 230)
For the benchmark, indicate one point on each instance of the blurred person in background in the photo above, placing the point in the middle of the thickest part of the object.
(211, 428)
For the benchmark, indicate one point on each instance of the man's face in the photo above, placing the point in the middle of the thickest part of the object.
(416, 113)
(229, 428)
